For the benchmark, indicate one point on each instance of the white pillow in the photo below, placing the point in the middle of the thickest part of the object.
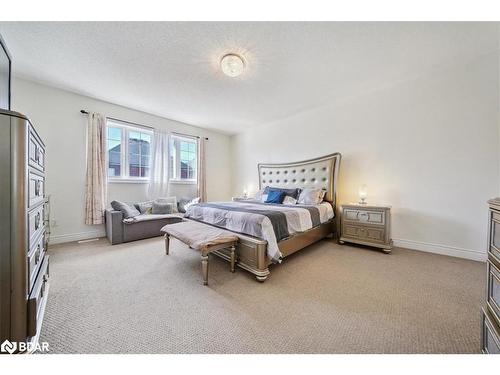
(191, 202)
(311, 196)
(289, 200)
(171, 200)
(263, 198)
(258, 194)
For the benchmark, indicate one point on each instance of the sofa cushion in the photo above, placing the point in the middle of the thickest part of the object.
(151, 217)
(127, 210)
(160, 208)
(171, 200)
(144, 207)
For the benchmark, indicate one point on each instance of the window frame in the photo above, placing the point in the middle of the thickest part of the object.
(125, 130)
(177, 179)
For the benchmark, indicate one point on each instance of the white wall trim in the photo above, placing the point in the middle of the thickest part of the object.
(398, 242)
(63, 238)
(441, 249)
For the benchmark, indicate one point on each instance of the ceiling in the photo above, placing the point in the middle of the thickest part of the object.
(171, 69)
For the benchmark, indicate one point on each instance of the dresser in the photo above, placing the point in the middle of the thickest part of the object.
(366, 225)
(24, 263)
(490, 335)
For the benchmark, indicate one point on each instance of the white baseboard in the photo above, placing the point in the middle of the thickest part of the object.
(398, 242)
(62, 238)
(441, 249)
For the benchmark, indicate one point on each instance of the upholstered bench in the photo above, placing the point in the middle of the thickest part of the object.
(202, 237)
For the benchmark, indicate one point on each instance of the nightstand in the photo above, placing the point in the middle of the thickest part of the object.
(366, 225)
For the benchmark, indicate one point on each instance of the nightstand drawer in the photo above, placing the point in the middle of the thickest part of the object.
(364, 216)
(364, 233)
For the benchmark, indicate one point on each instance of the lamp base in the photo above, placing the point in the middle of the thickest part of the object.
(362, 202)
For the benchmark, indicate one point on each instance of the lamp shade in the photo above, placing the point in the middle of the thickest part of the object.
(363, 193)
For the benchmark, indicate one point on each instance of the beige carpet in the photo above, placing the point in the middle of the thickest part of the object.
(328, 298)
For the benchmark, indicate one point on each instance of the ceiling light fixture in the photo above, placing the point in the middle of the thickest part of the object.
(232, 65)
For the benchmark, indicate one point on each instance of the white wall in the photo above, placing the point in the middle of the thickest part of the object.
(429, 147)
(56, 115)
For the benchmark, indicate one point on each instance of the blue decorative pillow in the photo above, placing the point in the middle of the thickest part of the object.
(294, 193)
(275, 196)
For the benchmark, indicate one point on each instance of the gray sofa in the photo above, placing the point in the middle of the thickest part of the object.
(143, 226)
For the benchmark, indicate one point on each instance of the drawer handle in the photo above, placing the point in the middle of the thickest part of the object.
(37, 187)
(362, 214)
(37, 255)
(37, 153)
(37, 221)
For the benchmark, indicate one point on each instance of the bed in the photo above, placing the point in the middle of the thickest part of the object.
(290, 228)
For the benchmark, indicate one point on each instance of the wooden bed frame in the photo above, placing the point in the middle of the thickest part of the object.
(320, 172)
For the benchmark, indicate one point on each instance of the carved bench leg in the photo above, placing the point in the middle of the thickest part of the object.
(232, 249)
(167, 244)
(204, 268)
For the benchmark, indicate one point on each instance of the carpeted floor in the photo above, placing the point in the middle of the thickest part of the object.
(328, 298)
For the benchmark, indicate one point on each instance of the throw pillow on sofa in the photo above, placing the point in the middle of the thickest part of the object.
(160, 208)
(171, 200)
(144, 207)
(127, 210)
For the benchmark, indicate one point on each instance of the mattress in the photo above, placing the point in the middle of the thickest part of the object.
(270, 222)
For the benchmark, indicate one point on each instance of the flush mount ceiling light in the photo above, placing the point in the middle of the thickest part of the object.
(232, 65)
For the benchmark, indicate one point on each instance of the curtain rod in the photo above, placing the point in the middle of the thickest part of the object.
(187, 135)
(144, 126)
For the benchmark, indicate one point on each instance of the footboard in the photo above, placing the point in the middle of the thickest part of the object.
(251, 252)
(251, 256)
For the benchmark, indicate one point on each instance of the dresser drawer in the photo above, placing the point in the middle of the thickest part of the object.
(36, 152)
(490, 335)
(494, 246)
(493, 290)
(38, 297)
(364, 216)
(36, 223)
(36, 189)
(35, 258)
(364, 233)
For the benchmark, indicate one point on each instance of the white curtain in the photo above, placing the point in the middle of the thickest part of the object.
(202, 180)
(96, 178)
(158, 185)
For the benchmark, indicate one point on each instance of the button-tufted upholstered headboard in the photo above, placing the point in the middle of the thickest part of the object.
(320, 172)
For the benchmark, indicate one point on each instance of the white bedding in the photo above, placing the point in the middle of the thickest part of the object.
(227, 215)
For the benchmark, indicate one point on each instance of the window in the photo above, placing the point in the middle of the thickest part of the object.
(183, 159)
(129, 152)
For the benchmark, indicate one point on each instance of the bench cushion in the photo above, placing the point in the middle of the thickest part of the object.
(199, 236)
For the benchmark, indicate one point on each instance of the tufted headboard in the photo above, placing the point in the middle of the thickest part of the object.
(320, 172)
